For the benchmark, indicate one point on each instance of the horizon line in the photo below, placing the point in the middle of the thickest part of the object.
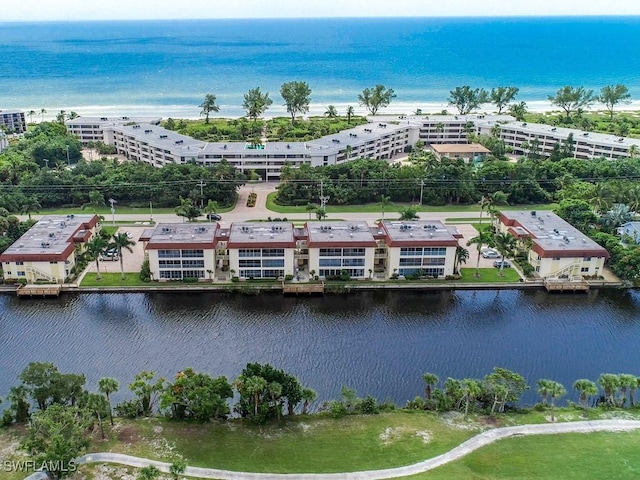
(373, 17)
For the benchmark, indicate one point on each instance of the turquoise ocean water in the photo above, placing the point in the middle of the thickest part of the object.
(166, 67)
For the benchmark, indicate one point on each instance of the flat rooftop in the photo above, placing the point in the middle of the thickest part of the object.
(551, 233)
(162, 138)
(352, 233)
(578, 135)
(261, 235)
(103, 121)
(53, 235)
(458, 148)
(180, 235)
(423, 232)
(226, 148)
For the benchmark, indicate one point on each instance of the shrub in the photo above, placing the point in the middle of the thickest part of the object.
(367, 405)
(129, 409)
(288, 277)
(235, 279)
(190, 280)
(7, 419)
(145, 271)
(416, 404)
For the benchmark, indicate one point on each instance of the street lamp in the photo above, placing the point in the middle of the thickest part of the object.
(46, 162)
(113, 210)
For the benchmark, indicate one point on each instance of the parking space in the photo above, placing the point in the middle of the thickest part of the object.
(131, 261)
(468, 232)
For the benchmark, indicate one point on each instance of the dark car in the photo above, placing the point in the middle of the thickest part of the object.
(214, 217)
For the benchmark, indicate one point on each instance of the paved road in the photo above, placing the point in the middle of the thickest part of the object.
(479, 441)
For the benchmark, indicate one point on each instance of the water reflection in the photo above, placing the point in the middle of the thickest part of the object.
(378, 342)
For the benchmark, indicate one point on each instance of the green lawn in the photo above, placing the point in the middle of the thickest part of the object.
(392, 209)
(305, 444)
(489, 275)
(570, 456)
(120, 209)
(132, 279)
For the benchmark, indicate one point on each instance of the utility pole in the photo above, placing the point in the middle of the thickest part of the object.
(421, 190)
(113, 210)
(323, 199)
(202, 185)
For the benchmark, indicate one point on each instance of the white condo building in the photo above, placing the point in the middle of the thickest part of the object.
(385, 137)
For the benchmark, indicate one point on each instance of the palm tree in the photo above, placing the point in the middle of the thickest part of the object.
(107, 386)
(350, 113)
(609, 383)
(96, 247)
(42, 112)
(61, 116)
(462, 255)
(586, 388)
(310, 208)
(331, 112)
(30, 205)
(627, 381)
(430, 379)
(120, 242)
(31, 114)
(211, 208)
(385, 201)
(208, 105)
(505, 244)
(479, 240)
(440, 129)
(471, 389)
(557, 390)
(633, 151)
(308, 396)
(543, 388)
(96, 199)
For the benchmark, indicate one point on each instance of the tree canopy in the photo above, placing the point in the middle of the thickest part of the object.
(296, 96)
(611, 95)
(501, 97)
(208, 105)
(376, 98)
(466, 99)
(572, 99)
(256, 103)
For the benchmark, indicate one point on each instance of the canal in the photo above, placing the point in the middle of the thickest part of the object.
(379, 343)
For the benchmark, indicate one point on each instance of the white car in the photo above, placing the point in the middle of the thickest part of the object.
(490, 253)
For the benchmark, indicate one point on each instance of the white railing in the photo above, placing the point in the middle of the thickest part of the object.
(39, 274)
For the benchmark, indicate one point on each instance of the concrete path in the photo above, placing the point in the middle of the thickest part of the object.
(479, 441)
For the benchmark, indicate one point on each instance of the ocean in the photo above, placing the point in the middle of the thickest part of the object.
(165, 68)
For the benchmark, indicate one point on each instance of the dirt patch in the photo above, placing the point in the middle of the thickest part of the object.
(489, 421)
(128, 435)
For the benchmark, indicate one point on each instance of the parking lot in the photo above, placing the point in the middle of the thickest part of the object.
(131, 261)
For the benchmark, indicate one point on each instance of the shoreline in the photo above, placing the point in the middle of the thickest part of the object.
(189, 112)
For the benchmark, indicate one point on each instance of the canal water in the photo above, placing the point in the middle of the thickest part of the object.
(379, 343)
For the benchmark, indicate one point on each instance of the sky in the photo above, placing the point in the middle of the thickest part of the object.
(44, 10)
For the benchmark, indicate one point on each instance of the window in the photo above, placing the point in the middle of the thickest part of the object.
(168, 253)
(273, 252)
(353, 262)
(586, 259)
(406, 262)
(169, 263)
(249, 263)
(556, 258)
(435, 251)
(21, 274)
(330, 262)
(584, 269)
(353, 252)
(19, 263)
(192, 253)
(273, 263)
(433, 261)
(193, 264)
(248, 252)
(410, 251)
(330, 252)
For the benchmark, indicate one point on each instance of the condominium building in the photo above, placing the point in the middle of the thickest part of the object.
(48, 251)
(427, 247)
(261, 249)
(385, 137)
(13, 121)
(557, 249)
(181, 250)
(94, 129)
(525, 138)
(337, 247)
(278, 249)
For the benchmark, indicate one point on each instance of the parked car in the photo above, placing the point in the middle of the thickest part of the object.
(129, 235)
(214, 217)
(110, 255)
(502, 263)
(490, 253)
